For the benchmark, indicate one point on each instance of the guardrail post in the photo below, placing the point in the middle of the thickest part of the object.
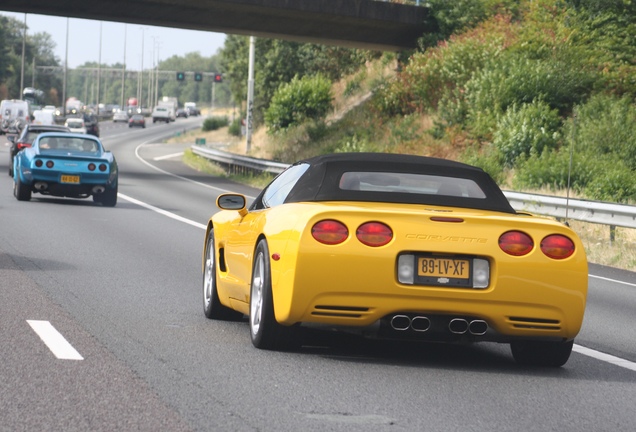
(612, 234)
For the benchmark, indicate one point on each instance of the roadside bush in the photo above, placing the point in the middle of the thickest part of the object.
(595, 176)
(516, 80)
(526, 130)
(303, 98)
(551, 169)
(438, 72)
(605, 125)
(234, 128)
(214, 123)
(488, 159)
(613, 182)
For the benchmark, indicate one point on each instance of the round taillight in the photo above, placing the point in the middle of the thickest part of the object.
(91, 167)
(516, 243)
(330, 232)
(103, 167)
(39, 163)
(374, 234)
(49, 164)
(557, 246)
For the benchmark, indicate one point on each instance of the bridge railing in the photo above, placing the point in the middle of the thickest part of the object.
(612, 215)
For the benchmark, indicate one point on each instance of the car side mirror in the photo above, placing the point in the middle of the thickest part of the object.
(232, 202)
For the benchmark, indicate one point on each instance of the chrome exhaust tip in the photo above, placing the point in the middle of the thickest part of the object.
(478, 327)
(420, 324)
(458, 326)
(98, 190)
(41, 186)
(400, 322)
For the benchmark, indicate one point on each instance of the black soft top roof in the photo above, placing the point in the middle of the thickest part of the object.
(321, 180)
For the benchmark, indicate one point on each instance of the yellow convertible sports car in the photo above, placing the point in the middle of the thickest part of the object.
(395, 246)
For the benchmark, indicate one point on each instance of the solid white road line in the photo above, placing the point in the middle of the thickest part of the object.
(54, 340)
(608, 358)
(613, 280)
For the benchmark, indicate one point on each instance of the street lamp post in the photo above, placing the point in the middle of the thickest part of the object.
(140, 87)
(99, 67)
(250, 97)
(65, 73)
(123, 70)
(23, 51)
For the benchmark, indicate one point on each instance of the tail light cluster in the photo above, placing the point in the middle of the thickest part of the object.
(518, 243)
(333, 232)
(39, 163)
(91, 166)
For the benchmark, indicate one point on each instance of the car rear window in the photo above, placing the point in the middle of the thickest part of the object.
(410, 183)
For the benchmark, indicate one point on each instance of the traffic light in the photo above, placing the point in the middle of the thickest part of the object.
(198, 76)
(218, 78)
(180, 76)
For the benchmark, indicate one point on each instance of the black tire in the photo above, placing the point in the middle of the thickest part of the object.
(21, 191)
(265, 331)
(537, 353)
(212, 307)
(108, 198)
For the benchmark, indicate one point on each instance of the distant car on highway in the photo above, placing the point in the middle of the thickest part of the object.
(182, 113)
(394, 247)
(66, 165)
(120, 116)
(137, 120)
(28, 135)
(76, 125)
(14, 116)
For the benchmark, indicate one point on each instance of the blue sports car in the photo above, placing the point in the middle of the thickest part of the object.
(66, 165)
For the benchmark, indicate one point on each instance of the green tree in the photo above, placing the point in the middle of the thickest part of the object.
(278, 62)
(299, 100)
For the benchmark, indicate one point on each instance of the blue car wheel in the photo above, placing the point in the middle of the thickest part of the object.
(21, 191)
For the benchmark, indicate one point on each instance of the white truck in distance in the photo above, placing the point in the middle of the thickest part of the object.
(162, 113)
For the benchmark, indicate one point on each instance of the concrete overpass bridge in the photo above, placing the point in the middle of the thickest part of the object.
(364, 24)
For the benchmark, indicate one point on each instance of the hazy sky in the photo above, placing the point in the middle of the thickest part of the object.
(83, 40)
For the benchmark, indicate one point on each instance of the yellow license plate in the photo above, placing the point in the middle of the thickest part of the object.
(70, 179)
(443, 267)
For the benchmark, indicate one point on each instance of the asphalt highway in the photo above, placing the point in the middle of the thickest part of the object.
(102, 329)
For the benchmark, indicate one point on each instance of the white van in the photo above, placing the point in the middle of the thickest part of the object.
(43, 117)
(14, 115)
(76, 125)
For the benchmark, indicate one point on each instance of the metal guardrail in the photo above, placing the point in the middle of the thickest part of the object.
(595, 212)
(237, 163)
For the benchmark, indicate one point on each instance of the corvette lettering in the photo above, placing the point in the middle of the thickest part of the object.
(442, 238)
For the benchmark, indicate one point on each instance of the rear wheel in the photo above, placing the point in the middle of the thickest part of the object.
(108, 198)
(265, 331)
(21, 191)
(538, 353)
(212, 307)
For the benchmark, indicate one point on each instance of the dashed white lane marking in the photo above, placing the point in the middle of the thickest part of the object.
(161, 211)
(54, 340)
